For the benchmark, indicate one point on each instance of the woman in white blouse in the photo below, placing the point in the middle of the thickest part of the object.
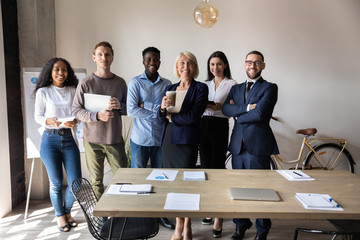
(55, 90)
(215, 125)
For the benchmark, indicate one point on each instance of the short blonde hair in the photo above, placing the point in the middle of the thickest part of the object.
(192, 58)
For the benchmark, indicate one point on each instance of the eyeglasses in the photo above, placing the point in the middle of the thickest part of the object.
(256, 63)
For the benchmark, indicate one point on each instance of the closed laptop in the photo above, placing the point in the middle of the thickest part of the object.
(254, 194)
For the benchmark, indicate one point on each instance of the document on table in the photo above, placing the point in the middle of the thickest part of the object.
(182, 201)
(129, 189)
(162, 175)
(194, 175)
(318, 201)
(295, 175)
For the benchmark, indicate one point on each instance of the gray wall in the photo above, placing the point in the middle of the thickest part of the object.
(36, 19)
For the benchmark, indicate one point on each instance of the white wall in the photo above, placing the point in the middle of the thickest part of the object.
(310, 47)
(5, 185)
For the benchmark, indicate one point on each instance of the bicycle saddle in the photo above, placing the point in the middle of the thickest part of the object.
(307, 131)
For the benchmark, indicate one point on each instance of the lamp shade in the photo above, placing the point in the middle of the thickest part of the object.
(206, 14)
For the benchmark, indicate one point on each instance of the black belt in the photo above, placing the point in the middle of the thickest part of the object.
(61, 131)
(215, 118)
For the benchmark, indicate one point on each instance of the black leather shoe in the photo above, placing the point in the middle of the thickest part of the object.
(207, 221)
(216, 233)
(166, 223)
(240, 232)
(261, 236)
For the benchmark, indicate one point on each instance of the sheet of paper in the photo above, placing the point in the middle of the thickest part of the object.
(129, 189)
(96, 102)
(135, 188)
(295, 175)
(318, 201)
(182, 201)
(162, 175)
(66, 119)
(194, 175)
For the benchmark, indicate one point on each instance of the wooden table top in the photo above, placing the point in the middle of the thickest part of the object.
(215, 200)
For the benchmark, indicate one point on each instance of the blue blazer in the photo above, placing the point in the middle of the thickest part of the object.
(186, 123)
(252, 128)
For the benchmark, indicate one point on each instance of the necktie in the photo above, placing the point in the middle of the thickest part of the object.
(248, 86)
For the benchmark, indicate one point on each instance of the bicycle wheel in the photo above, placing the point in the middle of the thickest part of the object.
(273, 165)
(228, 161)
(328, 153)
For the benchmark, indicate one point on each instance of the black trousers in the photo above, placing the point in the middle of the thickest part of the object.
(213, 142)
(177, 155)
(245, 160)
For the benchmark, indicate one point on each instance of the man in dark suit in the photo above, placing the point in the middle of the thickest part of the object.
(252, 141)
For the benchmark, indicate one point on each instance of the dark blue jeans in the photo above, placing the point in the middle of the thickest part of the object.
(140, 156)
(56, 151)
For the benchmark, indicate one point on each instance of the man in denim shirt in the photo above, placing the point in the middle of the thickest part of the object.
(145, 93)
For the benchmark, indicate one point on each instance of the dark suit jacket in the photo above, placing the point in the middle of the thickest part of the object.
(252, 128)
(186, 123)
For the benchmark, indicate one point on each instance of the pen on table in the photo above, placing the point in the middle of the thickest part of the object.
(333, 203)
(297, 173)
(122, 183)
(165, 175)
(144, 192)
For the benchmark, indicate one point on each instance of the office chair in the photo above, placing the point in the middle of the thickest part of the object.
(99, 227)
(345, 234)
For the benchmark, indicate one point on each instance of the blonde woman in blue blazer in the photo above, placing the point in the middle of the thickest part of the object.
(181, 130)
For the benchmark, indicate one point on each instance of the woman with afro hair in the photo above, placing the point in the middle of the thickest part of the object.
(54, 93)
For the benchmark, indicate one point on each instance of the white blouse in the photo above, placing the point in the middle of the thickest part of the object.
(52, 102)
(219, 95)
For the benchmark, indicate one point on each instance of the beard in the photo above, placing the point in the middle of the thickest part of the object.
(258, 74)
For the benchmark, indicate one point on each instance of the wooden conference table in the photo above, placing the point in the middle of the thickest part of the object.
(215, 201)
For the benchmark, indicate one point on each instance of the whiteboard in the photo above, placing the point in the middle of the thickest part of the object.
(33, 129)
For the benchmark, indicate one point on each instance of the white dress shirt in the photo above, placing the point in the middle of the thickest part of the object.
(219, 95)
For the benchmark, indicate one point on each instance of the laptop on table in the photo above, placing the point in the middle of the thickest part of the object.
(254, 194)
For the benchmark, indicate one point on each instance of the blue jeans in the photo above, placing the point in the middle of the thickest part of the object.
(140, 156)
(56, 151)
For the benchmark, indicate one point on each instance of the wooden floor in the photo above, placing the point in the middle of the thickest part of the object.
(41, 224)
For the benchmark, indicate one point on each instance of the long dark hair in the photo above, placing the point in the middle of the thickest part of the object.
(45, 78)
(223, 58)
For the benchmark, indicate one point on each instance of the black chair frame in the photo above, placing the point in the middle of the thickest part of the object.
(346, 235)
(102, 228)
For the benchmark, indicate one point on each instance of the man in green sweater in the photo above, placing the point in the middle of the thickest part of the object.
(102, 129)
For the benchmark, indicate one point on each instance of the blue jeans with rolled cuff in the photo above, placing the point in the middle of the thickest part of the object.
(58, 149)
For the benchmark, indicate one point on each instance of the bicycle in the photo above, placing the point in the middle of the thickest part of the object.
(331, 155)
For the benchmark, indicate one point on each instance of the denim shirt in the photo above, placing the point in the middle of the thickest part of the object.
(146, 131)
